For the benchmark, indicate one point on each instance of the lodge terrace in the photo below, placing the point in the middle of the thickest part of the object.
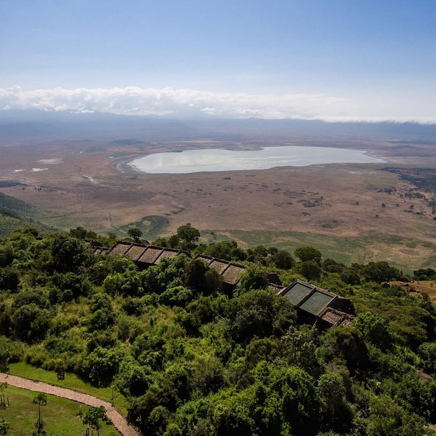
(314, 305)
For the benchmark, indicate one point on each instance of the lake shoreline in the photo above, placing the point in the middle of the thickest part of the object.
(225, 160)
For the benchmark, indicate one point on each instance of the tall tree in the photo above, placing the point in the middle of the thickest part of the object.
(95, 417)
(188, 236)
(283, 260)
(306, 254)
(40, 400)
(135, 233)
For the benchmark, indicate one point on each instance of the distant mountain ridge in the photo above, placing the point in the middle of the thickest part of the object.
(22, 125)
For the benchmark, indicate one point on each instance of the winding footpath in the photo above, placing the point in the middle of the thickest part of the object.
(118, 421)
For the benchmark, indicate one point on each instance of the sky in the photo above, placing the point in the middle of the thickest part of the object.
(335, 60)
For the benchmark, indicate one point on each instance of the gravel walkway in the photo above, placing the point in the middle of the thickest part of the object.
(117, 419)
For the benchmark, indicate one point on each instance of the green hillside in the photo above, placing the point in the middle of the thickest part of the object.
(16, 214)
(187, 354)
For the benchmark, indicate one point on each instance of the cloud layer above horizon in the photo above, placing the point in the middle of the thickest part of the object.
(190, 103)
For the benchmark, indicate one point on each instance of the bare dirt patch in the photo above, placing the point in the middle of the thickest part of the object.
(418, 288)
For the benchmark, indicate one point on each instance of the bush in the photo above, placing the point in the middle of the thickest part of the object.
(311, 270)
(34, 296)
(375, 329)
(350, 277)
(388, 418)
(380, 272)
(70, 254)
(307, 254)
(332, 266)
(254, 277)
(9, 279)
(261, 314)
(424, 274)
(283, 260)
(427, 353)
(200, 278)
(101, 319)
(31, 322)
(176, 296)
(133, 379)
(102, 365)
(346, 343)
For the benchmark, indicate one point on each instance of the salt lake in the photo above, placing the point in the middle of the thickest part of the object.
(208, 160)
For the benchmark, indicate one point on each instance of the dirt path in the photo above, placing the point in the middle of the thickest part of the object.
(117, 419)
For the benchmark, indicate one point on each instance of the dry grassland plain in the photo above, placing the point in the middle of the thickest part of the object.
(351, 212)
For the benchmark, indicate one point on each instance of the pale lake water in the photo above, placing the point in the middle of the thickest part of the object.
(207, 160)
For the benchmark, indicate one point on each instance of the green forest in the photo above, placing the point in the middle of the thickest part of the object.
(192, 358)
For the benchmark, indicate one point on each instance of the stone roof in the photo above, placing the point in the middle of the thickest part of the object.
(206, 259)
(232, 274)
(335, 318)
(167, 253)
(120, 248)
(135, 251)
(327, 308)
(92, 243)
(347, 322)
(97, 247)
(219, 265)
(150, 255)
(314, 302)
(297, 291)
(276, 288)
(332, 316)
(145, 255)
(229, 271)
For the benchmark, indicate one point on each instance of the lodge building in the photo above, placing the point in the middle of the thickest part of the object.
(314, 305)
(318, 306)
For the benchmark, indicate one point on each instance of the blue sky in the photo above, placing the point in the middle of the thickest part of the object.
(369, 59)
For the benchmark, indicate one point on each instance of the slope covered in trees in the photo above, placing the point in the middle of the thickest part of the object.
(196, 360)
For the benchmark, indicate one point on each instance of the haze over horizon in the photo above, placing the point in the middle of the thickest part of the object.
(332, 61)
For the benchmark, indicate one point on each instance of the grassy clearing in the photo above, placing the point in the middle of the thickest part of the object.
(404, 253)
(120, 154)
(153, 226)
(94, 149)
(60, 415)
(71, 381)
(127, 142)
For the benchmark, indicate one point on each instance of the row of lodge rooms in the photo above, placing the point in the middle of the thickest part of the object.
(314, 305)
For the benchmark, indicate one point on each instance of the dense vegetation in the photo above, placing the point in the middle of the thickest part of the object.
(196, 360)
(423, 178)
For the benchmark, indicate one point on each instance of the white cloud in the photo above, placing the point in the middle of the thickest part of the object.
(189, 102)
